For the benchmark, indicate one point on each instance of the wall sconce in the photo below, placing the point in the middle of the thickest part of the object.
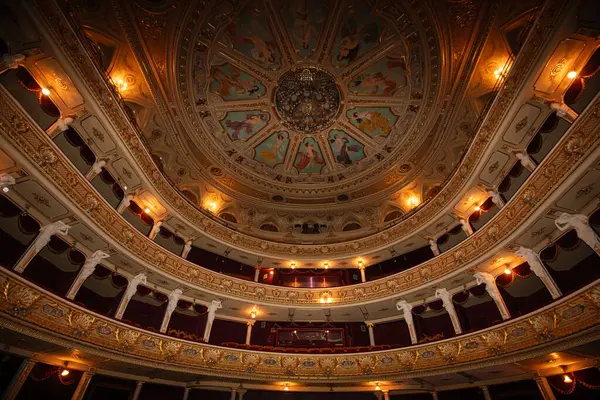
(572, 74)
(147, 210)
(293, 265)
(121, 85)
(46, 91)
(286, 387)
(377, 386)
(507, 271)
(326, 265)
(253, 314)
(412, 201)
(360, 263)
(477, 208)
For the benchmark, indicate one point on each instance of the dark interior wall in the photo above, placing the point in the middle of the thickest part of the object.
(17, 232)
(462, 394)
(479, 316)
(398, 264)
(88, 297)
(55, 267)
(9, 365)
(354, 334)
(108, 388)
(140, 313)
(190, 324)
(393, 333)
(151, 391)
(522, 390)
(518, 306)
(431, 326)
(221, 264)
(44, 382)
(227, 331)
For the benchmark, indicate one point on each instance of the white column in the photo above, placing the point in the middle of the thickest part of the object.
(249, 326)
(545, 388)
(212, 310)
(526, 161)
(241, 392)
(540, 270)
(186, 393)
(564, 111)
(124, 203)
(155, 230)
(466, 226)
(434, 247)
(95, 169)
(6, 181)
(443, 295)
(486, 392)
(173, 299)
(129, 292)
(233, 394)
(370, 326)
(42, 239)
(386, 394)
(363, 277)
(434, 396)
(18, 379)
(61, 125)
(86, 270)
(406, 309)
(492, 289)
(186, 249)
(580, 223)
(496, 198)
(138, 390)
(256, 274)
(82, 386)
(10, 61)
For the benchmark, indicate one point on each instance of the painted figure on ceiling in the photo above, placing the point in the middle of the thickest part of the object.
(230, 83)
(372, 121)
(262, 51)
(341, 147)
(303, 26)
(275, 152)
(308, 157)
(354, 36)
(247, 127)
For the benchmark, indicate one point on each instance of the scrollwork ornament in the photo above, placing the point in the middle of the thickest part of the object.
(80, 322)
(20, 298)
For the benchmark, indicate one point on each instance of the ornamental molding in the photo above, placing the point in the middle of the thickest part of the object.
(574, 320)
(34, 145)
(65, 38)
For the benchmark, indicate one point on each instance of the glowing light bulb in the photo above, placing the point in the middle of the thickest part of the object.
(124, 187)
(477, 208)
(326, 265)
(270, 272)
(293, 265)
(64, 372)
(46, 91)
(507, 271)
(572, 74)
(5, 189)
(253, 314)
(360, 263)
(286, 388)
(377, 387)
(147, 210)
(567, 379)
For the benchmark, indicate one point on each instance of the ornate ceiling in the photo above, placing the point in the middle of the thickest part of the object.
(258, 148)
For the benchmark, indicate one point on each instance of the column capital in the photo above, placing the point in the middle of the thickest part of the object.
(250, 323)
(6, 180)
(369, 324)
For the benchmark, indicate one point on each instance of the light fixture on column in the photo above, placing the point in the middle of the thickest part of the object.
(46, 91)
(326, 265)
(566, 377)
(572, 74)
(286, 387)
(360, 263)
(377, 386)
(65, 371)
(253, 313)
(293, 265)
(477, 208)
(147, 210)
(507, 271)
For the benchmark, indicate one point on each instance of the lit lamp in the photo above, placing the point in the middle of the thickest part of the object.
(286, 387)
(477, 208)
(507, 271)
(572, 74)
(377, 386)
(326, 265)
(360, 263)
(253, 314)
(147, 210)
(293, 265)
(46, 91)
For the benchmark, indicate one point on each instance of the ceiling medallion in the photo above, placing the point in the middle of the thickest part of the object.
(307, 99)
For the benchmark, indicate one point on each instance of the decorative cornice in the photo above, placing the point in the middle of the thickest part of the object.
(29, 310)
(63, 35)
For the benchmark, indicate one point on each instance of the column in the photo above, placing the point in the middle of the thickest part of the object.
(434, 247)
(386, 394)
(155, 230)
(545, 388)
(10, 61)
(496, 198)
(370, 326)
(486, 392)
(443, 295)
(466, 226)
(540, 270)
(212, 309)
(580, 223)
(526, 161)
(84, 381)
(95, 170)
(173, 299)
(256, 273)
(138, 390)
(564, 111)
(379, 395)
(406, 309)
(42, 239)
(129, 292)
(124, 203)
(186, 249)
(88, 268)
(492, 289)
(249, 324)
(6, 181)
(186, 393)
(19, 379)
(363, 278)
(434, 396)
(233, 393)
(241, 392)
